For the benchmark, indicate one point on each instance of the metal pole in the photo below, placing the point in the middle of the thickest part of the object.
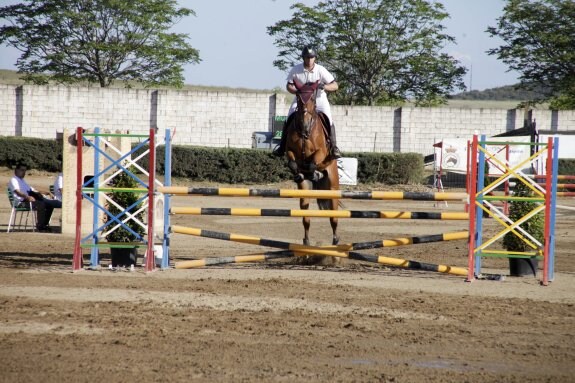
(151, 259)
(77, 260)
(167, 200)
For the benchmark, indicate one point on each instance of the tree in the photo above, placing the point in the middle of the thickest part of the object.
(381, 51)
(539, 41)
(99, 41)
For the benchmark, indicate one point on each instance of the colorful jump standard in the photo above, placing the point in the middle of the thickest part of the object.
(123, 162)
(478, 195)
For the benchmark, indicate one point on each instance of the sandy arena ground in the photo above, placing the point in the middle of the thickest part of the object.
(281, 321)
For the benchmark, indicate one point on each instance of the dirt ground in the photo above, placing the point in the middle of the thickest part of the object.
(282, 321)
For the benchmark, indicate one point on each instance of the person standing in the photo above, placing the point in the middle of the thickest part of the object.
(25, 193)
(58, 187)
(310, 71)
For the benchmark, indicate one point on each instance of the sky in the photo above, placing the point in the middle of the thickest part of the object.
(237, 52)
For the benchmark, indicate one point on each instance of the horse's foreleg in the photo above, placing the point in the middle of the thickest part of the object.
(292, 166)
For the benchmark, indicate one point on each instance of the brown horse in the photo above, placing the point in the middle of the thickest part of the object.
(309, 156)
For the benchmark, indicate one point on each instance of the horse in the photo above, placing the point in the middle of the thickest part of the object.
(308, 154)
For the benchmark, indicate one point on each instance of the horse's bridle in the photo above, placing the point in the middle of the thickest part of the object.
(303, 98)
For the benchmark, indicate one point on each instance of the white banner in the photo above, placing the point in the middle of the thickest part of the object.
(347, 170)
(451, 154)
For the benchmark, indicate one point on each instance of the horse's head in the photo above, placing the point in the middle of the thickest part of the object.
(306, 107)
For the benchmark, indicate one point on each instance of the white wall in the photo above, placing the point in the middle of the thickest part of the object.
(228, 118)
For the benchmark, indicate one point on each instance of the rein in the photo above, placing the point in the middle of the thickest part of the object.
(303, 98)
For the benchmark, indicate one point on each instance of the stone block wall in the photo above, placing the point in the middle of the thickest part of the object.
(229, 118)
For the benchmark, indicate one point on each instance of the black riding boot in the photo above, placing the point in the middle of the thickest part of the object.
(280, 150)
(334, 150)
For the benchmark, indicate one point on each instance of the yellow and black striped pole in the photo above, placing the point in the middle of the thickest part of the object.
(343, 247)
(302, 249)
(250, 212)
(234, 259)
(322, 194)
(407, 264)
(453, 236)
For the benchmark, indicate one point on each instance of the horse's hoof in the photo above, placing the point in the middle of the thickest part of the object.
(298, 178)
(317, 176)
(335, 241)
(306, 242)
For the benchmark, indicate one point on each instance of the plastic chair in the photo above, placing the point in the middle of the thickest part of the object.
(24, 209)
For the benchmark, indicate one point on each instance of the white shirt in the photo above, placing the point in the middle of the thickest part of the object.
(58, 187)
(20, 185)
(303, 75)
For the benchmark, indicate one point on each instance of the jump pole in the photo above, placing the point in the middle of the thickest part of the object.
(321, 194)
(78, 258)
(302, 249)
(387, 261)
(320, 213)
(234, 259)
(351, 246)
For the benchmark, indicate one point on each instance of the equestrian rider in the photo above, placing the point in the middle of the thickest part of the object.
(310, 71)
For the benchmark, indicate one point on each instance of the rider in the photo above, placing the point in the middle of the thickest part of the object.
(310, 71)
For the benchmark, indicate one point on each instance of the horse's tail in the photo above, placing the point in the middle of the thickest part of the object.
(324, 204)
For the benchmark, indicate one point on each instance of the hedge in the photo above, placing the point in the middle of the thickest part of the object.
(231, 166)
(35, 153)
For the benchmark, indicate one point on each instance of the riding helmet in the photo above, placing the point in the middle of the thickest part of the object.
(308, 52)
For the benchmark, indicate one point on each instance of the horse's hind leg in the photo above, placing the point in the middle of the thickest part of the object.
(333, 223)
(306, 224)
(304, 205)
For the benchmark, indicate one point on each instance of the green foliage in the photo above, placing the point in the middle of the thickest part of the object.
(382, 52)
(389, 168)
(539, 36)
(566, 167)
(35, 153)
(231, 166)
(98, 41)
(533, 226)
(125, 200)
(248, 166)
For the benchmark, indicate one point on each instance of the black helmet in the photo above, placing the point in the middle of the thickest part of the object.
(308, 52)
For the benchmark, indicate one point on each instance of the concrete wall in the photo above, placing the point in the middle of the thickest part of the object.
(229, 118)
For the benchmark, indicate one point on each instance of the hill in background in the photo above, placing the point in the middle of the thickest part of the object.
(502, 93)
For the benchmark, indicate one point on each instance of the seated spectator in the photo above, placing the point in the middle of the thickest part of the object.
(58, 187)
(25, 193)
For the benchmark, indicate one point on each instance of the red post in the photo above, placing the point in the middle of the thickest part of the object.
(472, 191)
(467, 176)
(77, 261)
(150, 258)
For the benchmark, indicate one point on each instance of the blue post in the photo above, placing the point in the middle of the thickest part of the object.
(478, 210)
(167, 198)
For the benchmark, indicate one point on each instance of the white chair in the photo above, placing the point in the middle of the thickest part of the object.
(22, 209)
